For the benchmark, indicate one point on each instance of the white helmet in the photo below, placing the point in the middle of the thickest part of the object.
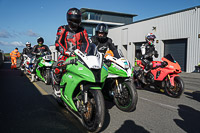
(149, 37)
(28, 44)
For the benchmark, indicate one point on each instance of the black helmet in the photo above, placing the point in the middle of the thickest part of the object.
(28, 45)
(102, 28)
(74, 18)
(40, 39)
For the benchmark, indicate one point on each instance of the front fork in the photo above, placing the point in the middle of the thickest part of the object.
(171, 80)
(84, 95)
(82, 104)
(118, 86)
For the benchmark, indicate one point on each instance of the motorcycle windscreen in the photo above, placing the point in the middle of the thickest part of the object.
(91, 50)
(170, 58)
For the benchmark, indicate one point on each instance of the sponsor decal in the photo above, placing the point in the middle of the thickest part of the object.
(80, 68)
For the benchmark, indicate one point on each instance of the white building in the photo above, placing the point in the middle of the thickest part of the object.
(54, 52)
(177, 33)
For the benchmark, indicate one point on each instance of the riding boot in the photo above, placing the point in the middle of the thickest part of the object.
(32, 77)
(138, 85)
(57, 90)
(143, 79)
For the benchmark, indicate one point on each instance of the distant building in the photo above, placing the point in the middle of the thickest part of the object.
(92, 17)
(177, 33)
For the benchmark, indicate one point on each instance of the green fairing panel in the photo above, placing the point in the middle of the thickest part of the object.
(39, 74)
(114, 69)
(74, 75)
(104, 73)
(41, 63)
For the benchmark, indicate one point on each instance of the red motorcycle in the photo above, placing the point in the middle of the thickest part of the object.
(163, 76)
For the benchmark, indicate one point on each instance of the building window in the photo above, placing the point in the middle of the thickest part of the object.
(85, 16)
(95, 16)
(89, 31)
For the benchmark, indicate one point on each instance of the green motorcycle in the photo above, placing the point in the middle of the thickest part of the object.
(118, 86)
(43, 70)
(80, 88)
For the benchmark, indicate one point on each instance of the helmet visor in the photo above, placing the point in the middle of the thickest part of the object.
(28, 45)
(74, 24)
(151, 37)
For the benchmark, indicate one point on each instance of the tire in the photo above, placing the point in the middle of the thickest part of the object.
(21, 73)
(131, 101)
(96, 119)
(47, 77)
(177, 90)
(58, 99)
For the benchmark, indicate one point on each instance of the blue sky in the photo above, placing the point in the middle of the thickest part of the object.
(26, 20)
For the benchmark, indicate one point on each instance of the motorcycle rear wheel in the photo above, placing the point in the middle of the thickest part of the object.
(177, 90)
(128, 100)
(93, 119)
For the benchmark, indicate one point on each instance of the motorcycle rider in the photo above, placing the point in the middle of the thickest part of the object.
(103, 42)
(39, 50)
(148, 51)
(70, 37)
(13, 55)
(26, 51)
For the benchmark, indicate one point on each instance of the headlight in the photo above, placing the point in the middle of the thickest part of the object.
(126, 64)
(95, 67)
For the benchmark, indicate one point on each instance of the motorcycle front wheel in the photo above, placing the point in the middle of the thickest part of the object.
(93, 118)
(21, 72)
(177, 89)
(47, 77)
(126, 100)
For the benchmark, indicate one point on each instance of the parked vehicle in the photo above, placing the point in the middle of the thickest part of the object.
(80, 88)
(27, 64)
(163, 76)
(118, 85)
(43, 70)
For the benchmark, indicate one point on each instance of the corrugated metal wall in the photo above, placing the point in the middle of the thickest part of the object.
(179, 25)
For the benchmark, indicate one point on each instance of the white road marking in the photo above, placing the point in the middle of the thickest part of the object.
(161, 104)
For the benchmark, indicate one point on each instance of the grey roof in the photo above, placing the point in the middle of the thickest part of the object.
(168, 14)
(107, 12)
(161, 16)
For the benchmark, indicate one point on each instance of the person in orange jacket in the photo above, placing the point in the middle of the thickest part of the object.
(13, 55)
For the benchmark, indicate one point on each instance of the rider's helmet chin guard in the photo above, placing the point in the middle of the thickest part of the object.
(74, 18)
(150, 37)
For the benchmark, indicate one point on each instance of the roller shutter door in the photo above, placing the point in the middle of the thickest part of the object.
(178, 48)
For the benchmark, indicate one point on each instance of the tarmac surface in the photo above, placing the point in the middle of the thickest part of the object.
(30, 107)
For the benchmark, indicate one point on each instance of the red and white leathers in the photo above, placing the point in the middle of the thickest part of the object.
(67, 39)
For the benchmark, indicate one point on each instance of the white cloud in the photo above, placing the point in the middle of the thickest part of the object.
(31, 33)
(15, 43)
(5, 34)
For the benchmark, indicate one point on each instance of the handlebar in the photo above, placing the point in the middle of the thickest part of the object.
(72, 61)
(163, 64)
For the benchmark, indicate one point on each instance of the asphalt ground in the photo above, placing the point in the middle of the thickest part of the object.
(23, 109)
(28, 107)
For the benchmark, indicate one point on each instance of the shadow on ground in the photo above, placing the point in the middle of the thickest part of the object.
(194, 95)
(190, 119)
(129, 126)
